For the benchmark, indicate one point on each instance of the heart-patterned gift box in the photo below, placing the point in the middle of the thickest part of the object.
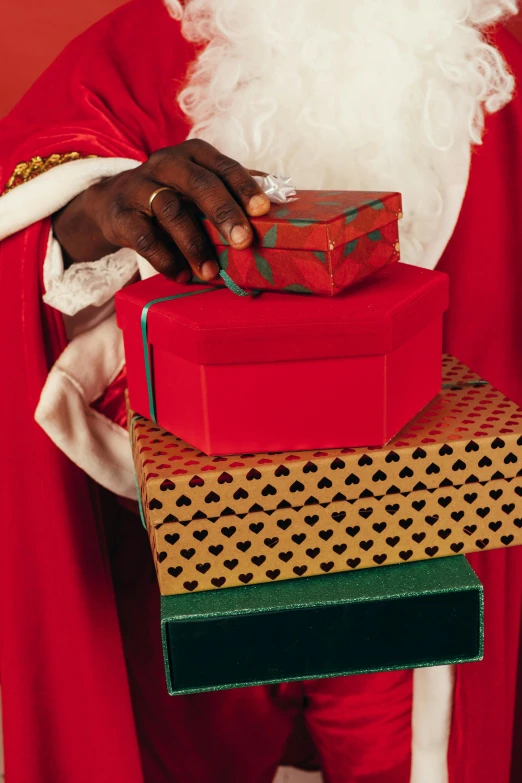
(321, 243)
(450, 483)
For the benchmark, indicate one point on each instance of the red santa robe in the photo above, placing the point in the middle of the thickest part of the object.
(70, 559)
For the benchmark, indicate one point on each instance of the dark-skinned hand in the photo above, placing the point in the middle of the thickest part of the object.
(115, 213)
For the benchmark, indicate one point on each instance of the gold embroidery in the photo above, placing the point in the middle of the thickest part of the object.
(37, 165)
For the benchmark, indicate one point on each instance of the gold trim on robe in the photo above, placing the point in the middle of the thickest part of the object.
(32, 168)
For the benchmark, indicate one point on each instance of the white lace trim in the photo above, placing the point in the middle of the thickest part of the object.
(88, 283)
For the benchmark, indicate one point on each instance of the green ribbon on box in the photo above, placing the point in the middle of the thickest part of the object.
(145, 341)
(146, 352)
(144, 327)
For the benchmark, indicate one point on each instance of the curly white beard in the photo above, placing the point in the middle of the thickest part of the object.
(349, 94)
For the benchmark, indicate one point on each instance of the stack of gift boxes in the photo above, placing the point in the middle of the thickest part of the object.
(285, 544)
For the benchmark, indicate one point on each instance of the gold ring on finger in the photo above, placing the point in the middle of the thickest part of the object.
(156, 193)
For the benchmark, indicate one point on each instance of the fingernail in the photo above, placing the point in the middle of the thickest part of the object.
(239, 235)
(258, 204)
(209, 270)
(184, 276)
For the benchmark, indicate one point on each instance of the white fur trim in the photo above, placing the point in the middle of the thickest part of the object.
(44, 195)
(84, 370)
(431, 723)
(453, 200)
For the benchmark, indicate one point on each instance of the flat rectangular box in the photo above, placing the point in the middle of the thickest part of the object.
(322, 243)
(450, 483)
(233, 374)
(422, 614)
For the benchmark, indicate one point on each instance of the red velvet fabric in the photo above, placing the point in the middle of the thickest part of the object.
(66, 692)
(484, 329)
(360, 726)
(66, 702)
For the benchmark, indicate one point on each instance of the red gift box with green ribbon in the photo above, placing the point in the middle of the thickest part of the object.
(275, 372)
(321, 243)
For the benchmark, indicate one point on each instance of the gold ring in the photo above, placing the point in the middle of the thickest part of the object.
(153, 196)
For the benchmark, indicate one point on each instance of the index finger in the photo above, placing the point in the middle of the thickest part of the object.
(237, 179)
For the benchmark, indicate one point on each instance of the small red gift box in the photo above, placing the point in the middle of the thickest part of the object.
(321, 243)
(279, 372)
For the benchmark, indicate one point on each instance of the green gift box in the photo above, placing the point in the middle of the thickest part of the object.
(399, 617)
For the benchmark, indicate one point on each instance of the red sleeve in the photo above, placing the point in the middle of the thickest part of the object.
(483, 257)
(484, 329)
(111, 92)
(67, 710)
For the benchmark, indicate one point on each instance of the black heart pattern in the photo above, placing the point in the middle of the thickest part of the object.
(200, 535)
(457, 515)
(325, 534)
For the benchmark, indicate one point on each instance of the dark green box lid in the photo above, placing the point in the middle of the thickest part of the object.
(397, 617)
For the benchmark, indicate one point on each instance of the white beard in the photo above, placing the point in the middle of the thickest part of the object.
(349, 94)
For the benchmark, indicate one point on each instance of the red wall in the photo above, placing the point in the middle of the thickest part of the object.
(33, 32)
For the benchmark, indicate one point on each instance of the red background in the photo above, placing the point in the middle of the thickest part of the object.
(33, 32)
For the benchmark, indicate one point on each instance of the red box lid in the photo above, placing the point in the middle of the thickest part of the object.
(321, 219)
(373, 318)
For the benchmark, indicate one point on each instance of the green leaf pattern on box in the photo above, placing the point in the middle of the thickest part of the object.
(270, 238)
(296, 288)
(302, 222)
(264, 268)
(350, 247)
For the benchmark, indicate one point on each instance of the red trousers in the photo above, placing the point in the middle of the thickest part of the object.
(360, 726)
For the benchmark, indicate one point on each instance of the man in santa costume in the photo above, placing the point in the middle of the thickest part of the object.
(99, 183)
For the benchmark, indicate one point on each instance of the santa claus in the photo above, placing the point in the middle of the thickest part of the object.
(140, 118)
